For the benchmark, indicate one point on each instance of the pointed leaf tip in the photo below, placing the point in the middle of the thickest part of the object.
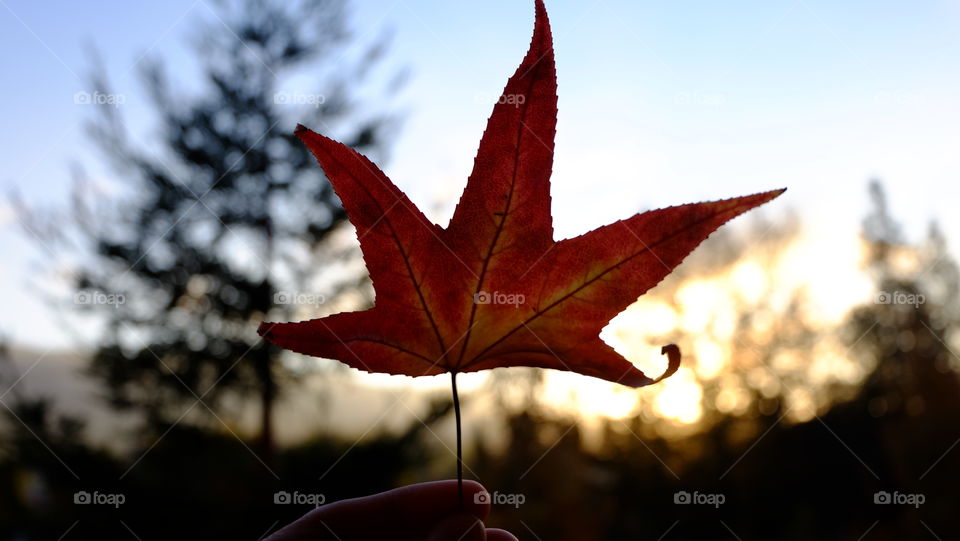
(540, 8)
(264, 330)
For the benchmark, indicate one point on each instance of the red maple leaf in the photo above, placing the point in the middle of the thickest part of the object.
(493, 288)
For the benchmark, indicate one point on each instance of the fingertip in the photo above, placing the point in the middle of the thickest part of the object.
(469, 485)
(496, 534)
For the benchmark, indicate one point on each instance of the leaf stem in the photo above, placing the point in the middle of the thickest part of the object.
(456, 411)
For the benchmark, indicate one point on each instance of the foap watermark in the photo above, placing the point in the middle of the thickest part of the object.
(499, 498)
(898, 498)
(497, 297)
(98, 98)
(900, 297)
(298, 498)
(98, 498)
(287, 297)
(299, 98)
(515, 100)
(698, 498)
(94, 297)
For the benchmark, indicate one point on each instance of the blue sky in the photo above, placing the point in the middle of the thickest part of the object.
(660, 103)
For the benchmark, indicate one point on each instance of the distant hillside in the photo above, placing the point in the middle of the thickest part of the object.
(337, 402)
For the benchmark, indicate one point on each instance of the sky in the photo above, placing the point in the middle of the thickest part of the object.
(660, 103)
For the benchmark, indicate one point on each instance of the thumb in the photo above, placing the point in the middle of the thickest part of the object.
(459, 527)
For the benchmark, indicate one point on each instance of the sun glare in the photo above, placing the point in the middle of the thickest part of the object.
(679, 399)
(589, 397)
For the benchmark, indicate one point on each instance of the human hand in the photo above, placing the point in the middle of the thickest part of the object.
(427, 511)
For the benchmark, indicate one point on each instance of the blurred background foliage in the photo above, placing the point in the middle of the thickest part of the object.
(799, 420)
